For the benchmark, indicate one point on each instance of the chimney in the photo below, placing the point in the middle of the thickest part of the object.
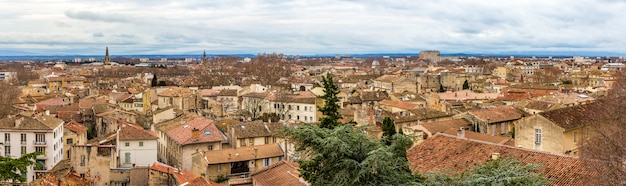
(495, 156)
(195, 134)
(461, 133)
(455, 94)
(47, 112)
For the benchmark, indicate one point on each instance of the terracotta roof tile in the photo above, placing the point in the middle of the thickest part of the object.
(281, 173)
(398, 104)
(200, 181)
(449, 153)
(30, 123)
(498, 114)
(182, 133)
(254, 129)
(129, 131)
(574, 116)
(181, 176)
(442, 126)
(75, 127)
(480, 137)
(176, 91)
(243, 154)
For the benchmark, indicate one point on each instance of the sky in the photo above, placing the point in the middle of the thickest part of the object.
(86, 27)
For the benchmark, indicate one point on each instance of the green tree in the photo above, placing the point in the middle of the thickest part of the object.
(348, 156)
(504, 171)
(154, 82)
(441, 88)
(389, 129)
(162, 83)
(330, 110)
(465, 85)
(11, 169)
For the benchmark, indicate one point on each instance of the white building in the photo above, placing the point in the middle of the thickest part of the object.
(136, 146)
(24, 135)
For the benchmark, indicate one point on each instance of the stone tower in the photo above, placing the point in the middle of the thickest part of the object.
(107, 59)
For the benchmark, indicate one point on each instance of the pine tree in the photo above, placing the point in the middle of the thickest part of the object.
(154, 82)
(465, 85)
(441, 88)
(330, 110)
(389, 129)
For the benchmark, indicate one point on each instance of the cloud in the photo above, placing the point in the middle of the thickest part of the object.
(96, 16)
(313, 27)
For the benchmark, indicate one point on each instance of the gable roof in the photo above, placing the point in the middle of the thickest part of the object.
(242, 154)
(30, 123)
(181, 176)
(182, 133)
(498, 114)
(445, 152)
(574, 116)
(280, 173)
(254, 129)
(129, 131)
(442, 126)
(482, 137)
(75, 127)
(398, 104)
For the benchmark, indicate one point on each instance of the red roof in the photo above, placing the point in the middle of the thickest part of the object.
(280, 173)
(398, 104)
(444, 152)
(129, 131)
(182, 176)
(75, 127)
(208, 132)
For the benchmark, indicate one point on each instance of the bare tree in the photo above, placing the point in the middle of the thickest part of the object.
(607, 140)
(9, 95)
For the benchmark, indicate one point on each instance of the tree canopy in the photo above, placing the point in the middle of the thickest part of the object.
(347, 156)
(11, 168)
(330, 110)
(465, 85)
(504, 171)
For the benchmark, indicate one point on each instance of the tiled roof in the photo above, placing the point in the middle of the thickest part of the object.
(281, 173)
(398, 104)
(181, 176)
(176, 92)
(374, 96)
(386, 78)
(52, 101)
(228, 92)
(498, 114)
(481, 137)
(442, 126)
(254, 129)
(209, 92)
(30, 123)
(540, 105)
(129, 131)
(243, 154)
(574, 116)
(466, 95)
(449, 153)
(182, 133)
(75, 127)
(140, 175)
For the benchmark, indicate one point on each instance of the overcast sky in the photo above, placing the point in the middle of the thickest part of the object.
(311, 26)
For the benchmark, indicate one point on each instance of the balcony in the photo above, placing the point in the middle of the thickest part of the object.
(42, 157)
(39, 143)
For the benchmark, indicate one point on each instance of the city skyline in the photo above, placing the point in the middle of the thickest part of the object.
(64, 27)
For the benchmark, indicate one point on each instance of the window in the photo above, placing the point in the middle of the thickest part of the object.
(242, 142)
(23, 138)
(574, 136)
(289, 107)
(82, 160)
(298, 107)
(273, 139)
(82, 175)
(538, 136)
(280, 158)
(23, 150)
(126, 144)
(305, 108)
(210, 147)
(7, 151)
(267, 140)
(141, 143)
(41, 149)
(7, 137)
(311, 118)
(219, 168)
(267, 162)
(298, 117)
(69, 141)
(127, 157)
